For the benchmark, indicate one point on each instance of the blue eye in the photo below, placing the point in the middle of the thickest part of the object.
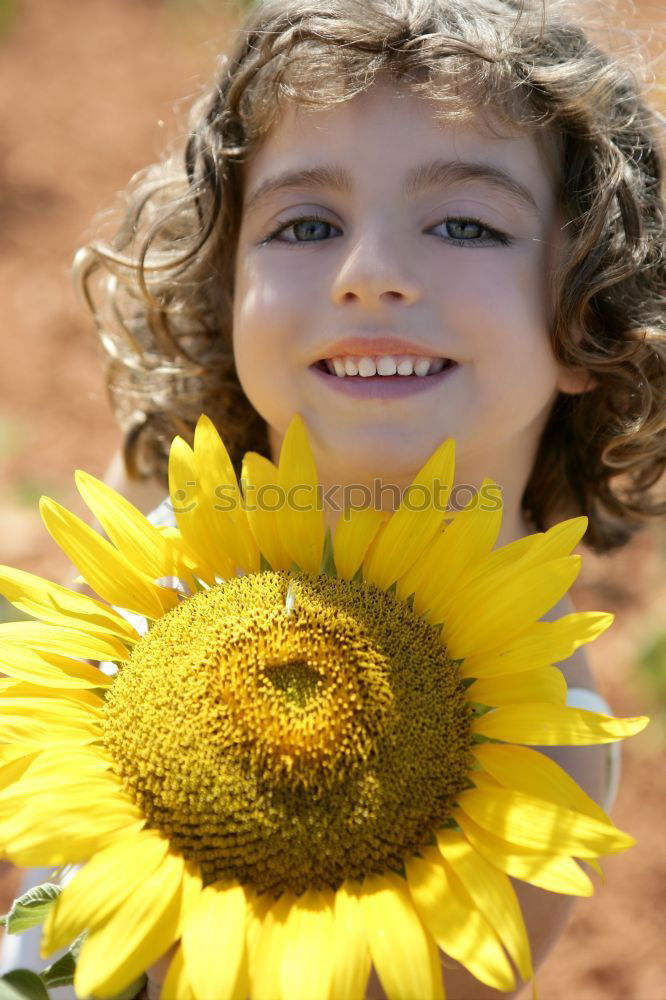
(472, 232)
(306, 229)
(314, 229)
(464, 229)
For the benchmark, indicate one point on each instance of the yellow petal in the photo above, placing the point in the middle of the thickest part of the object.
(415, 524)
(352, 957)
(192, 888)
(220, 495)
(266, 961)
(192, 515)
(540, 825)
(495, 609)
(13, 768)
(534, 549)
(558, 541)
(213, 458)
(133, 535)
(66, 836)
(507, 555)
(402, 951)
(216, 927)
(52, 762)
(102, 566)
(60, 711)
(466, 540)
(51, 670)
(59, 606)
(354, 532)
(554, 725)
(69, 768)
(548, 871)
(454, 920)
(97, 891)
(545, 684)
(261, 492)
(9, 752)
(493, 894)
(535, 774)
(31, 792)
(49, 765)
(39, 734)
(539, 645)
(306, 970)
(258, 907)
(24, 689)
(176, 986)
(300, 516)
(117, 951)
(59, 639)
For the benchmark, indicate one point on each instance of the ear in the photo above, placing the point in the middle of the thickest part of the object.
(574, 381)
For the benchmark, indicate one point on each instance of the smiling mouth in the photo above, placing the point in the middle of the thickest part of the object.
(442, 364)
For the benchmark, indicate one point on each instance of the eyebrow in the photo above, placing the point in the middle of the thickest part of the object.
(437, 173)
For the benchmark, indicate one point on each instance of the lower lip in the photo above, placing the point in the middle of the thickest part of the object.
(383, 386)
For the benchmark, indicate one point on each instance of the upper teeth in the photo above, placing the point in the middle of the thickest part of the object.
(385, 365)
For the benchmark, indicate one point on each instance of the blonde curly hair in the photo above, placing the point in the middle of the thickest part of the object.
(161, 290)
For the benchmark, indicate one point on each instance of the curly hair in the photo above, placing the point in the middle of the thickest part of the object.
(161, 290)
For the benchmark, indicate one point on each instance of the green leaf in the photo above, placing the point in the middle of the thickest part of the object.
(328, 560)
(61, 972)
(21, 984)
(31, 908)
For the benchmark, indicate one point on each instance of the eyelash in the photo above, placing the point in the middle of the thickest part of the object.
(494, 236)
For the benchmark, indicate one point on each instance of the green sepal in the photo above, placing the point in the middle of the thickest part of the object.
(264, 565)
(327, 561)
(131, 991)
(479, 709)
(22, 984)
(61, 972)
(31, 908)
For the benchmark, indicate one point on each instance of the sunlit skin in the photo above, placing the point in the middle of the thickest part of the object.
(380, 261)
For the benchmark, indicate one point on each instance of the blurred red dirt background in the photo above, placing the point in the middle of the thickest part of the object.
(87, 92)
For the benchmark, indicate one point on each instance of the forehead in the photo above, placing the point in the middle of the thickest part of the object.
(384, 134)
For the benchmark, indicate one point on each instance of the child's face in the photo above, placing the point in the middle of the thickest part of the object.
(427, 267)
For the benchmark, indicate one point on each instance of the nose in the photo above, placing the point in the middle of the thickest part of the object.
(375, 272)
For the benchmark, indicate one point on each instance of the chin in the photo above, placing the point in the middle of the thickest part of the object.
(352, 462)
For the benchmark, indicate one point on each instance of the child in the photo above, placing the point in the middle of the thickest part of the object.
(467, 195)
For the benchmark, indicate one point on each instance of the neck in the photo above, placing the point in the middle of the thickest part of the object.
(386, 493)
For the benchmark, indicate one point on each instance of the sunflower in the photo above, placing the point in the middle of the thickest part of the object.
(316, 756)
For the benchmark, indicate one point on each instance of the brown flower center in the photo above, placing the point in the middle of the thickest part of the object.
(291, 746)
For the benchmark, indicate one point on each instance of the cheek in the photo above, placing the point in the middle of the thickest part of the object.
(274, 282)
(261, 335)
(257, 295)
